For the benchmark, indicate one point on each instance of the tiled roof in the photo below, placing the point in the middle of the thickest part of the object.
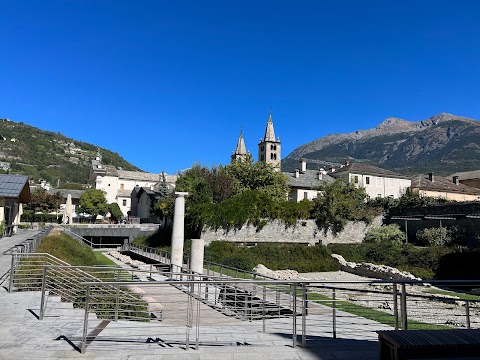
(360, 168)
(64, 193)
(306, 180)
(138, 175)
(124, 193)
(439, 183)
(15, 187)
(468, 175)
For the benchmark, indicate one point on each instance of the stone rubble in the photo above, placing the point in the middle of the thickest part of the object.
(374, 271)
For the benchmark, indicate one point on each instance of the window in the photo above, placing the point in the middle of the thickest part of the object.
(124, 202)
(305, 195)
(379, 181)
(355, 179)
(379, 195)
(274, 147)
(271, 156)
(275, 156)
(390, 183)
(367, 180)
(271, 147)
(122, 186)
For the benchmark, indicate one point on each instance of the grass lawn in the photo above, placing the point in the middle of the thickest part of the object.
(372, 314)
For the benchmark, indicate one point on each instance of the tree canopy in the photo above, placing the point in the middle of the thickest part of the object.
(93, 202)
(339, 203)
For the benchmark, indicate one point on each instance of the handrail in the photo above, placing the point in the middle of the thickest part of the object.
(256, 299)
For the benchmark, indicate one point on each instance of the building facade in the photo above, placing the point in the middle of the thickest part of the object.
(376, 181)
(119, 184)
(441, 187)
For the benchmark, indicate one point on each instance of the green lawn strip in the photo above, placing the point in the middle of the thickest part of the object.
(230, 272)
(460, 296)
(372, 314)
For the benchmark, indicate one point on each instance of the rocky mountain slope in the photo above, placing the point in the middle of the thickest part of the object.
(40, 154)
(444, 144)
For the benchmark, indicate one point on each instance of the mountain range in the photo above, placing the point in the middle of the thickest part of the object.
(49, 156)
(443, 144)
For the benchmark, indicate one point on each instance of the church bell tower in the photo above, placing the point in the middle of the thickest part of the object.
(269, 149)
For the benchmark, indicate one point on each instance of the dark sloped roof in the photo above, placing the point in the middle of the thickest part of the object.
(15, 187)
(422, 182)
(76, 194)
(307, 180)
(468, 175)
(366, 169)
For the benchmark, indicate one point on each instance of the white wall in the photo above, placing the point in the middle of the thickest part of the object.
(298, 195)
(377, 186)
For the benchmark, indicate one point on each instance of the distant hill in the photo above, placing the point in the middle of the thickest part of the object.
(41, 154)
(444, 144)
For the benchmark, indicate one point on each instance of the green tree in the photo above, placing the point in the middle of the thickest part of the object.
(71, 186)
(43, 201)
(115, 213)
(338, 203)
(162, 206)
(389, 234)
(258, 176)
(93, 202)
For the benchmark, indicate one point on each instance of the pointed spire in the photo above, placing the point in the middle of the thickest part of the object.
(269, 132)
(241, 149)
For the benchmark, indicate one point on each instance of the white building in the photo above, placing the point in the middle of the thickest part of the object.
(119, 184)
(376, 181)
(304, 183)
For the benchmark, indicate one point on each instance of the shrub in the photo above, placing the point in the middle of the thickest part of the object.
(390, 234)
(274, 256)
(432, 236)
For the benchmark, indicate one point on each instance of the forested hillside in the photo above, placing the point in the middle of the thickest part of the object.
(41, 154)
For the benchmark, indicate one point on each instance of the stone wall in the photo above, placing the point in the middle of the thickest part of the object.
(305, 232)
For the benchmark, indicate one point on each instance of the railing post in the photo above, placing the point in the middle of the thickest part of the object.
(334, 314)
(85, 320)
(294, 308)
(263, 307)
(117, 300)
(197, 324)
(467, 309)
(42, 300)
(395, 305)
(403, 305)
(12, 274)
(189, 316)
(304, 315)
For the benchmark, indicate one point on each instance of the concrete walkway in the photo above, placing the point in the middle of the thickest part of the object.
(23, 336)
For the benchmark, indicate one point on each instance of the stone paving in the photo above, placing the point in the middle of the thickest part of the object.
(57, 336)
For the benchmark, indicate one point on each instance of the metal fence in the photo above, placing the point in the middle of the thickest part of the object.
(150, 305)
(257, 311)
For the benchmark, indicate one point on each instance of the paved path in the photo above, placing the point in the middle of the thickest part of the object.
(23, 336)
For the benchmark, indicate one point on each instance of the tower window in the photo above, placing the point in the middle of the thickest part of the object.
(274, 147)
(271, 156)
(262, 147)
(275, 156)
(271, 147)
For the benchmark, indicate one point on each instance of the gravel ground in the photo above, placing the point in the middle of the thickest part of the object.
(436, 309)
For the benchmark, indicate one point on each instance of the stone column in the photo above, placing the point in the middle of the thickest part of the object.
(196, 255)
(178, 232)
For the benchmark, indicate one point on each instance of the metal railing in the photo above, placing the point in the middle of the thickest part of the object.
(258, 311)
(29, 245)
(83, 240)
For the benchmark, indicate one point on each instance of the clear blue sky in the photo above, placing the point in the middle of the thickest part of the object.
(170, 83)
